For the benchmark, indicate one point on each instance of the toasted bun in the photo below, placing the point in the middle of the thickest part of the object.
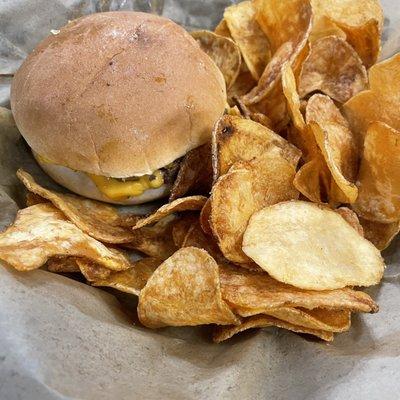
(117, 94)
(80, 183)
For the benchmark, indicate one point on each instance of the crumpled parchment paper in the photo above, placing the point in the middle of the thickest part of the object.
(61, 339)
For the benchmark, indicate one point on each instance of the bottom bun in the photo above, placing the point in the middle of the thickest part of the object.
(80, 183)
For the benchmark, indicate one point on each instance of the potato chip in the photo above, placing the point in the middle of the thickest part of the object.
(311, 247)
(32, 199)
(378, 179)
(243, 84)
(258, 293)
(156, 240)
(92, 270)
(205, 218)
(99, 220)
(381, 102)
(263, 321)
(337, 144)
(195, 173)
(190, 203)
(380, 234)
(323, 26)
(132, 280)
(41, 232)
(238, 139)
(361, 21)
(283, 21)
(334, 68)
(223, 51)
(351, 217)
(222, 29)
(62, 265)
(184, 291)
(247, 34)
(246, 188)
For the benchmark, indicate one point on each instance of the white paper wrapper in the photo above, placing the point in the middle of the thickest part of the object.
(61, 339)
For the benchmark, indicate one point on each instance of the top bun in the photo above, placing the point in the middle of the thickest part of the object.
(117, 94)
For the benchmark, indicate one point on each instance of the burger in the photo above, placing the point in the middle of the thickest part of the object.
(110, 103)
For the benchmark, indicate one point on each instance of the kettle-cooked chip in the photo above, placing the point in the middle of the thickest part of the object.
(263, 321)
(259, 293)
(205, 218)
(361, 21)
(245, 31)
(195, 173)
(97, 219)
(181, 227)
(223, 51)
(351, 217)
(238, 139)
(41, 232)
(337, 144)
(324, 26)
(222, 29)
(132, 280)
(243, 84)
(92, 270)
(378, 179)
(32, 199)
(334, 68)
(311, 247)
(184, 291)
(190, 203)
(246, 188)
(62, 265)
(380, 234)
(381, 102)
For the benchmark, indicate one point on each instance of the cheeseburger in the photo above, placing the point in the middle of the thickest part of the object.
(111, 103)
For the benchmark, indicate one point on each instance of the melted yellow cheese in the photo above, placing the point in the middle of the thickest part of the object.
(117, 190)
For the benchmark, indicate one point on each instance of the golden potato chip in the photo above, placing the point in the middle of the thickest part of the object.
(41, 232)
(380, 234)
(378, 179)
(190, 203)
(243, 84)
(62, 264)
(258, 292)
(246, 188)
(247, 34)
(361, 21)
(263, 321)
(156, 240)
(195, 173)
(323, 26)
(205, 218)
(238, 139)
(222, 29)
(311, 247)
(337, 144)
(334, 68)
(184, 291)
(132, 280)
(32, 199)
(181, 227)
(283, 21)
(351, 217)
(223, 51)
(97, 219)
(381, 102)
(92, 270)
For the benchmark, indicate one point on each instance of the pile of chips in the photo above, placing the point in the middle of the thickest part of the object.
(283, 214)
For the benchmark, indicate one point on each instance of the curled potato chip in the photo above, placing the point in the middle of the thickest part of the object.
(324, 26)
(258, 293)
(205, 218)
(311, 247)
(41, 232)
(380, 234)
(184, 291)
(238, 139)
(243, 84)
(222, 29)
(92, 270)
(181, 227)
(98, 220)
(337, 144)
(351, 217)
(334, 68)
(360, 20)
(195, 173)
(247, 34)
(223, 51)
(190, 203)
(62, 265)
(263, 321)
(378, 179)
(381, 102)
(132, 280)
(246, 188)
(32, 199)
(156, 240)
(283, 21)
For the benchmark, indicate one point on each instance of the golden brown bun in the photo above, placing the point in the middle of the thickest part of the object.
(117, 94)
